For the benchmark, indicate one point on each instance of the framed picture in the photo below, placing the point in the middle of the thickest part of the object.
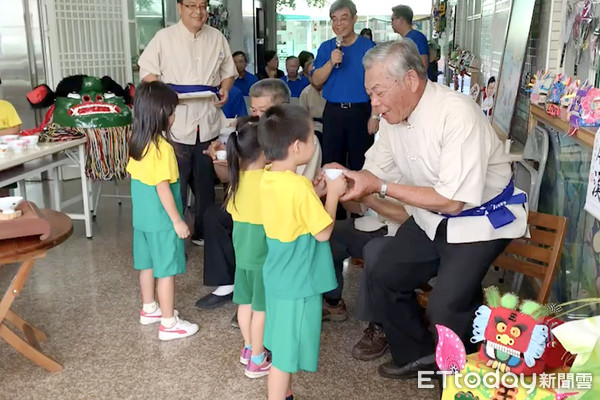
(511, 67)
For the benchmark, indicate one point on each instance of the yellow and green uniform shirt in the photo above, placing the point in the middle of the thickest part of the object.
(297, 265)
(248, 235)
(8, 115)
(158, 164)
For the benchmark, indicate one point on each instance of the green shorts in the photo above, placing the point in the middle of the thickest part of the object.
(163, 251)
(249, 288)
(293, 333)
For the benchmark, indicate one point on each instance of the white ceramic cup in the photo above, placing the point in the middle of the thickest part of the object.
(9, 204)
(4, 148)
(333, 173)
(17, 145)
(32, 140)
(221, 155)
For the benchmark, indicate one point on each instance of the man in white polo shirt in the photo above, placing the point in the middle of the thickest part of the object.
(193, 57)
(437, 154)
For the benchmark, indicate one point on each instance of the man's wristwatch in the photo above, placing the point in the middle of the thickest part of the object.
(383, 190)
(376, 116)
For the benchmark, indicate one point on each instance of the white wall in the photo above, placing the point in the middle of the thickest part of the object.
(550, 44)
(236, 32)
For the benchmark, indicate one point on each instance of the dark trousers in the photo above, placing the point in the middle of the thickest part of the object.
(346, 241)
(219, 260)
(345, 134)
(408, 261)
(196, 170)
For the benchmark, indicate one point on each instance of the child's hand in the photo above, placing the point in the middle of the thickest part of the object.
(320, 184)
(336, 187)
(181, 229)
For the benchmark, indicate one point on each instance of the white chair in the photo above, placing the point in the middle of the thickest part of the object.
(528, 173)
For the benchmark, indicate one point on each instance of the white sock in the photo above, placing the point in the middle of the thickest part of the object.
(168, 322)
(223, 290)
(150, 307)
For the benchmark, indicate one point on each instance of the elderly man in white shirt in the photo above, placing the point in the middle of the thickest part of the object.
(438, 155)
(194, 59)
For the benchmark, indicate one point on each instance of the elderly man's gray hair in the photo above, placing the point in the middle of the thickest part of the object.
(275, 88)
(398, 56)
(339, 4)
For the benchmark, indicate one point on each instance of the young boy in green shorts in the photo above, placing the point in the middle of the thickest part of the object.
(298, 268)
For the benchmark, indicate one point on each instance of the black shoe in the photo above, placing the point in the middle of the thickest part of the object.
(211, 301)
(408, 371)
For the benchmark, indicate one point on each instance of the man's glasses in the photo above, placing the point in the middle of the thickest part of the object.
(195, 7)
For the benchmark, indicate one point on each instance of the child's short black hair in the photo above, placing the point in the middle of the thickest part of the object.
(279, 127)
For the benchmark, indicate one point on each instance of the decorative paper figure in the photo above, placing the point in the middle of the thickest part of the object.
(513, 340)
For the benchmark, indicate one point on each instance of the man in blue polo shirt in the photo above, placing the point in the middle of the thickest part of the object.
(245, 79)
(295, 81)
(402, 17)
(348, 125)
(235, 106)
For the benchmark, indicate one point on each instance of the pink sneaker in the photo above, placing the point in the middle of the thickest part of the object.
(245, 356)
(180, 330)
(257, 371)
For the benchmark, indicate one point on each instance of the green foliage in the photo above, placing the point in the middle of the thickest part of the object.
(510, 301)
(292, 3)
(492, 296)
(145, 5)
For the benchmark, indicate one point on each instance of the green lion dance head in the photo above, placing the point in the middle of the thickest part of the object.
(83, 101)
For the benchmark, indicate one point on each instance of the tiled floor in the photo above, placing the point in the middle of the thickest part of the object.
(85, 296)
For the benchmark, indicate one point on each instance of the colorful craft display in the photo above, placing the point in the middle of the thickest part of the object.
(100, 109)
(541, 88)
(585, 110)
(568, 99)
(464, 386)
(520, 359)
(514, 338)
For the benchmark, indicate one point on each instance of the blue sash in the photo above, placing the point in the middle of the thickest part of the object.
(193, 88)
(495, 209)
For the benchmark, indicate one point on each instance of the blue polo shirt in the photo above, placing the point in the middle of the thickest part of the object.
(345, 84)
(235, 106)
(244, 83)
(297, 86)
(421, 41)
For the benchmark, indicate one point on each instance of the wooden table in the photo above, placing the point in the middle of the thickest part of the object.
(50, 157)
(26, 251)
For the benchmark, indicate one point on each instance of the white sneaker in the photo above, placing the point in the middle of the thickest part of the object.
(180, 330)
(152, 318)
(198, 242)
